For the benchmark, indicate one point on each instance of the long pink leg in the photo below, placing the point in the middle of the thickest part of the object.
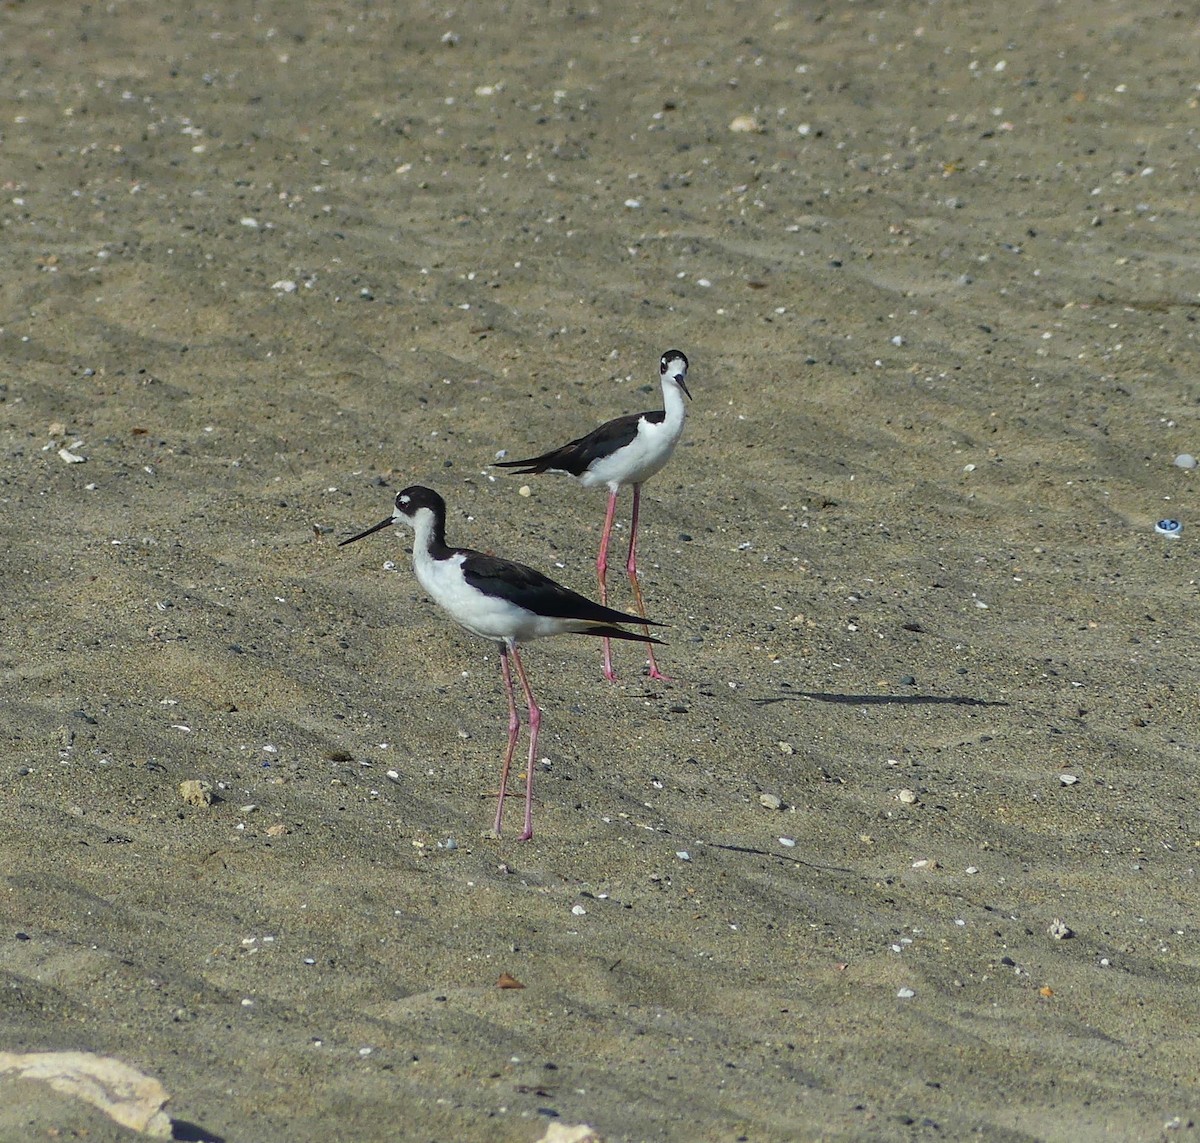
(514, 728)
(631, 568)
(601, 568)
(535, 721)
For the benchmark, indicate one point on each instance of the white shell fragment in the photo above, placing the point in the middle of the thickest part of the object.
(1172, 529)
(124, 1094)
(1068, 779)
(71, 457)
(570, 1133)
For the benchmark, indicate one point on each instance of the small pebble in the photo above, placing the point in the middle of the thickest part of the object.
(1060, 930)
(1185, 460)
(196, 793)
(770, 801)
(579, 910)
(683, 855)
(1068, 779)
(746, 124)
(908, 797)
(788, 842)
(906, 994)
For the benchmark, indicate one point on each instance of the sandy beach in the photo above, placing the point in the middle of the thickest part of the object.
(905, 851)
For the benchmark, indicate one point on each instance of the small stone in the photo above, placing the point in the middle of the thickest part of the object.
(905, 994)
(786, 748)
(683, 855)
(746, 124)
(1060, 930)
(788, 842)
(579, 910)
(1185, 460)
(770, 801)
(1068, 779)
(196, 793)
(908, 797)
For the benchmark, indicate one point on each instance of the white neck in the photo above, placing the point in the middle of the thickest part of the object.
(675, 406)
(424, 543)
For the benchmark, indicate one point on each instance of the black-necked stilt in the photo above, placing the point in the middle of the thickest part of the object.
(627, 450)
(500, 600)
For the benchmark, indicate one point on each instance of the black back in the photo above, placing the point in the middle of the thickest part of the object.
(529, 588)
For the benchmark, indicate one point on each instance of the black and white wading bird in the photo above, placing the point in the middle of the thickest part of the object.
(499, 600)
(627, 450)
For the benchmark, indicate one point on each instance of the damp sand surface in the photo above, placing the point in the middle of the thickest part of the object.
(934, 670)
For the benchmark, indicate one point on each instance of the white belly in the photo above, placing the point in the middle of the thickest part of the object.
(638, 461)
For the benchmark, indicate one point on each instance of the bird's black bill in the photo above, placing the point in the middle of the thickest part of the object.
(683, 385)
(369, 532)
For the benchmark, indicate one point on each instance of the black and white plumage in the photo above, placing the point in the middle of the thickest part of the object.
(627, 450)
(499, 600)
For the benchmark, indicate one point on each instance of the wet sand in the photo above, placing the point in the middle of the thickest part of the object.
(265, 265)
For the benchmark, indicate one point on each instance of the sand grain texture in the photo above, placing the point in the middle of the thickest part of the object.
(941, 313)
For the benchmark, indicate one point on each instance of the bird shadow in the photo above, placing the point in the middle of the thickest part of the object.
(181, 1129)
(880, 700)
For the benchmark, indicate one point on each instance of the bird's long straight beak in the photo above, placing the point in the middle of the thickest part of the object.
(683, 386)
(369, 532)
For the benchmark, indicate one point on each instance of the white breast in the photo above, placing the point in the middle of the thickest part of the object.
(640, 459)
(487, 616)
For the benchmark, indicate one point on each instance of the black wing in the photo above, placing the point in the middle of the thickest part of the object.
(528, 588)
(579, 455)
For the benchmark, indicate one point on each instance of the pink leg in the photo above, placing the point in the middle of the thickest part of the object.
(514, 728)
(601, 568)
(535, 721)
(631, 568)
